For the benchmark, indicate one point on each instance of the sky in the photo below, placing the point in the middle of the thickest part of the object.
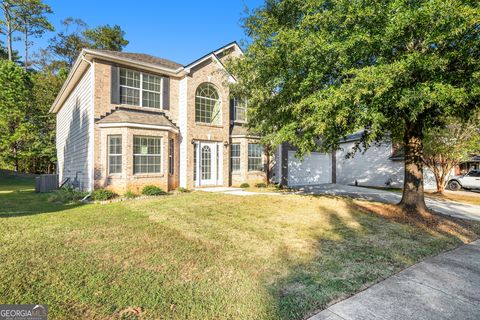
(178, 30)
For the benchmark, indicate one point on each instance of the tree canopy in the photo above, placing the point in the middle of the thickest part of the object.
(15, 102)
(323, 69)
(446, 147)
(67, 44)
(27, 142)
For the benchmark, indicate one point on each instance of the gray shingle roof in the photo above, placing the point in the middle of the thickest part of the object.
(142, 57)
(126, 115)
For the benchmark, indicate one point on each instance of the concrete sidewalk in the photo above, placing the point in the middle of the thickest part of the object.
(447, 207)
(446, 286)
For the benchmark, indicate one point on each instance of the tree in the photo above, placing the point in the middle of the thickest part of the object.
(41, 150)
(66, 45)
(322, 69)
(10, 24)
(15, 102)
(446, 147)
(107, 38)
(3, 52)
(33, 22)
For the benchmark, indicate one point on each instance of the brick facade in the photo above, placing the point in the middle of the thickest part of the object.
(209, 71)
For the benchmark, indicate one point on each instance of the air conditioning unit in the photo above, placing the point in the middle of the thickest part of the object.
(46, 183)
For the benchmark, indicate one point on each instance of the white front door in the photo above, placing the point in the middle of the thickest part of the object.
(208, 164)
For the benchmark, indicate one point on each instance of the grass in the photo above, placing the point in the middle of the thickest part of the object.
(461, 196)
(201, 255)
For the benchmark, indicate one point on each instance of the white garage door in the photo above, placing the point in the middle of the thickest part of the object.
(315, 168)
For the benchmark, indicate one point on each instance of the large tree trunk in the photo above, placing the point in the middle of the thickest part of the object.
(413, 198)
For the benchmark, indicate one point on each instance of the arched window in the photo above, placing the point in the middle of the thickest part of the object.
(207, 104)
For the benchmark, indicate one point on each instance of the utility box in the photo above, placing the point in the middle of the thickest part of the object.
(46, 183)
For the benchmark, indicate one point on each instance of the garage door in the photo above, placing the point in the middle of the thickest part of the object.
(315, 168)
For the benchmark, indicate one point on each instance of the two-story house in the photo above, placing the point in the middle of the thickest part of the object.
(125, 120)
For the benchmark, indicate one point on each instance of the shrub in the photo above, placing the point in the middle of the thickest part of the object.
(103, 194)
(182, 190)
(130, 194)
(66, 195)
(244, 185)
(152, 191)
(261, 185)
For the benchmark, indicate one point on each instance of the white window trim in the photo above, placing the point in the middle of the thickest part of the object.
(171, 156)
(220, 117)
(153, 154)
(251, 157)
(235, 103)
(114, 154)
(239, 157)
(141, 89)
(136, 125)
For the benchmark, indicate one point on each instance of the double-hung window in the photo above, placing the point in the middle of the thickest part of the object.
(140, 89)
(255, 152)
(147, 154)
(114, 154)
(240, 110)
(171, 152)
(235, 157)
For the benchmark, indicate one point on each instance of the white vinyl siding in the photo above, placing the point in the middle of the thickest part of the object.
(73, 137)
(140, 89)
(370, 168)
(374, 167)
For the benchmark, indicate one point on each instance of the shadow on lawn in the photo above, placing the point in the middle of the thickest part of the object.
(18, 199)
(357, 252)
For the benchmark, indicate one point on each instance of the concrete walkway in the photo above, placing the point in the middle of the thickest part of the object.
(447, 207)
(443, 287)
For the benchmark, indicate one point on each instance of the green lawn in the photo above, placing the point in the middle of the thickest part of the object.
(198, 255)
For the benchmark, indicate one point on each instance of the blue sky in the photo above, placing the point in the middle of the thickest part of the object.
(174, 29)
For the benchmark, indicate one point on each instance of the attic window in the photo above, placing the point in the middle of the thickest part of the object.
(140, 89)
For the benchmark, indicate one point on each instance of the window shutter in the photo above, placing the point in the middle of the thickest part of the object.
(115, 86)
(166, 93)
(232, 110)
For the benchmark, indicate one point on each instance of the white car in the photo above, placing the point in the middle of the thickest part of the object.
(471, 180)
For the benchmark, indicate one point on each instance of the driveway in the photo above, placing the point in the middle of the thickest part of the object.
(446, 286)
(447, 207)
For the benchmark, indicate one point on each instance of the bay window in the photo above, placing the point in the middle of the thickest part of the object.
(114, 154)
(255, 152)
(147, 154)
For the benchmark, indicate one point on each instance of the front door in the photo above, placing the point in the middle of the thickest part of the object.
(208, 164)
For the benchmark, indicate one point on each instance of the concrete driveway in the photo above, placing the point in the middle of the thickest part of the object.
(451, 208)
(443, 287)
